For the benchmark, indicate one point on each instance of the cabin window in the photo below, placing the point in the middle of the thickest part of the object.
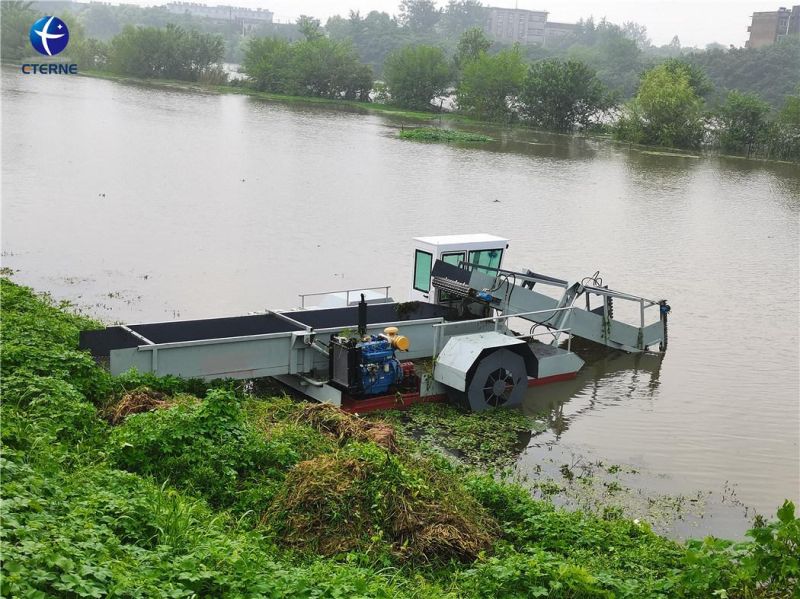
(453, 258)
(423, 261)
(486, 258)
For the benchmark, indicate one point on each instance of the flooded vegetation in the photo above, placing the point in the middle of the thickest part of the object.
(442, 135)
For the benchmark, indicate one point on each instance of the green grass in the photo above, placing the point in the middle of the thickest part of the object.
(442, 135)
(222, 494)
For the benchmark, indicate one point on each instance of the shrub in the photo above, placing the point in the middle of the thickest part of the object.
(206, 448)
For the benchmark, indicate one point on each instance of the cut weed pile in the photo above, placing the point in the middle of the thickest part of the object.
(141, 399)
(347, 427)
(362, 497)
(203, 490)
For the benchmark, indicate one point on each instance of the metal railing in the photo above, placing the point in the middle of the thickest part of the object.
(347, 293)
(438, 328)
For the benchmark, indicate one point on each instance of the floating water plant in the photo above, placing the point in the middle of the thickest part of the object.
(442, 135)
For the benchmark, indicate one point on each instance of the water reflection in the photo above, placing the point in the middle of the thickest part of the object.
(608, 378)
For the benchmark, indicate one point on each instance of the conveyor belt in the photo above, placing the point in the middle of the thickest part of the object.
(100, 343)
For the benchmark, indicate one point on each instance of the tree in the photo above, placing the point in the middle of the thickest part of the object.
(419, 16)
(636, 33)
(742, 121)
(328, 69)
(471, 45)
(417, 74)
(770, 71)
(784, 135)
(169, 53)
(374, 36)
(790, 113)
(309, 27)
(696, 74)
(605, 47)
(461, 15)
(16, 19)
(489, 85)
(312, 67)
(665, 112)
(268, 63)
(559, 95)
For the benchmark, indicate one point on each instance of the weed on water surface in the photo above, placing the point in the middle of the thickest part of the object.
(139, 486)
(442, 135)
(490, 439)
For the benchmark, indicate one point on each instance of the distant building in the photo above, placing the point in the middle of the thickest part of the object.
(553, 30)
(245, 16)
(768, 27)
(517, 25)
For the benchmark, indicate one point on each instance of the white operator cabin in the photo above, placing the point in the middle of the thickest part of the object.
(480, 248)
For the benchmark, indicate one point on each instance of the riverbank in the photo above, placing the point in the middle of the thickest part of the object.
(396, 111)
(139, 486)
(351, 105)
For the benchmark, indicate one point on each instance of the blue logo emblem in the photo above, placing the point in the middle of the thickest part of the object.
(49, 36)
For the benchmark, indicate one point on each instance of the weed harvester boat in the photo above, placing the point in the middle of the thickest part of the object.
(359, 349)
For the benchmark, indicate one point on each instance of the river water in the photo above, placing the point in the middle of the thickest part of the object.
(147, 204)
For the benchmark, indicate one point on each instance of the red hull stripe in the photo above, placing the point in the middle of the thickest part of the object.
(400, 401)
(556, 378)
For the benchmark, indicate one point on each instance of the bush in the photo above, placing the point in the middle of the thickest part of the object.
(774, 557)
(415, 75)
(205, 448)
(560, 95)
(666, 111)
(490, 85)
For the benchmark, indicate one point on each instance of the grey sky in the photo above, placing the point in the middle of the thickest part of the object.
(696, 22)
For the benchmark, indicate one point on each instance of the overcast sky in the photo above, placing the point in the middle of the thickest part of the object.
(696, 22)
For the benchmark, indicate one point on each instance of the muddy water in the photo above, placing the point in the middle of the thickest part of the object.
(143, 204)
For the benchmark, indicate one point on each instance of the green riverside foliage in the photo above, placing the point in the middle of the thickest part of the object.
(471, 45)
(439, 134)
(417, 74)
(427, 51)
(666, 111)
(16, 19)
(235, 496)
(490, 83)
(316, 66)
(770, 71)
(562, 95)
(790, 113)
(743, 122)
(169, 53)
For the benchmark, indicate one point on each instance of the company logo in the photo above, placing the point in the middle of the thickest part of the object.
(49, 36)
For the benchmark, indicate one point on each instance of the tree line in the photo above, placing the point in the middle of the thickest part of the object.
(314, 66)
(671, 109)
(619, 54)
(676, 100)
(169, 52)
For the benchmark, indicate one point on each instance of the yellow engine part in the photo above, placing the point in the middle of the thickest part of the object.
(399, 342)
